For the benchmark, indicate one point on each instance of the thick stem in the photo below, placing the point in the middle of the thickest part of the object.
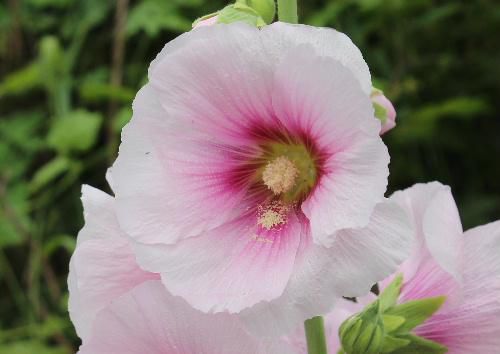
(315, 336)
(287, 11)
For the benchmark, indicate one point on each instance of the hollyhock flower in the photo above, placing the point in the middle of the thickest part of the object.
(118, 308)
(464, 267)
(387, 114)
(252, 174)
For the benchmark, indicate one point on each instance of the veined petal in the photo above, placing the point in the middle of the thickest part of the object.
(103, 266)
(149, 320)
(337, 116)
(169, 183)
(355, 261)
(229, 268)
(326, 42)
(473, 325)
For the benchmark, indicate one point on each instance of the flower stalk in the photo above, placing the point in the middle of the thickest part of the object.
(287, 11)
(315, 335)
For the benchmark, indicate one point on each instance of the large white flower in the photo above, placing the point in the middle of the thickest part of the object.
(252, 174)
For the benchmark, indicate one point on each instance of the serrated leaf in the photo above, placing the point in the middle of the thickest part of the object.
(416, 312)
(389, 296)
(420, 345)
(75, 132)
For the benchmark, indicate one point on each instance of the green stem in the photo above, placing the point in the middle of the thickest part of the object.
(287, 11)
(315, 336)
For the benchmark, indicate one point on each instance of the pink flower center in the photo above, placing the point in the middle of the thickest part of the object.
(288, 170)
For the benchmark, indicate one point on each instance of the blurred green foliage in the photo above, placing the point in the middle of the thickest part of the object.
(69, 70)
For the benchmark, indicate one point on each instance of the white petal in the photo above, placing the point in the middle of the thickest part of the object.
(229, 268)
(103, 266)
(282, 37)
(355, 261)
(149, 320)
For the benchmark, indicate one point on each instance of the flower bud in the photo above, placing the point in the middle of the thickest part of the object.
(385, 326)
(384, 110)
(363, 333)
(265, 8)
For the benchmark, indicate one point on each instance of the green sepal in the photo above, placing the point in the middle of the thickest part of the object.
(393, 343)
(392, 323)
(348, 331)
(240, 13)
(376, 91)
(370, 339)
(265, 8)
(389, 296)
(416, 312)
(380, 112)
(419, 345)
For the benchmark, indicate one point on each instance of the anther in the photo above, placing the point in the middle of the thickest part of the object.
(279, 175)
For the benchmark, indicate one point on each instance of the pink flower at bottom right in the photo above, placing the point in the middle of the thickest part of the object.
(463, 266)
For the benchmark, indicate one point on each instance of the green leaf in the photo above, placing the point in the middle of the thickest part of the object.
(9, 235)
(30, 347)
(21, 81)
(51, 3)
(416, 312)
(152, 16)
(389, 296)
(49, 172)
(122, 118)
(98, 92)
(420, 345)
(75, 132)
(57, 242)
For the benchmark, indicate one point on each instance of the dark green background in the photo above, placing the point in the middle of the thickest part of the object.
(64, 99)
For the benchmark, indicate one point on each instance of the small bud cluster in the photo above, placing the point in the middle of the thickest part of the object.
(254, 12)
(385, 326)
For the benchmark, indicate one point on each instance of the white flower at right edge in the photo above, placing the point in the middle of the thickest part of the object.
(464, 267)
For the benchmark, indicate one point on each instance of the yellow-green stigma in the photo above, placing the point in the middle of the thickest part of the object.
(290, 172)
